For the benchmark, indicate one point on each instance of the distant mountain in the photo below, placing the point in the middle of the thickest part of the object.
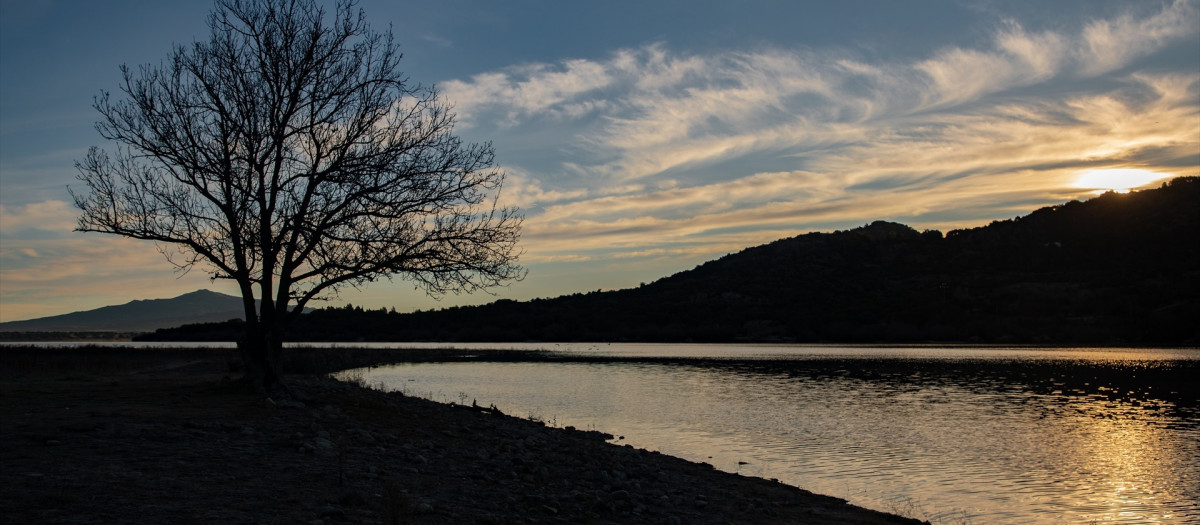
(200, 306)
(1116, 269)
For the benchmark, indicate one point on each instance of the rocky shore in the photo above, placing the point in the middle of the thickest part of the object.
(165, 437)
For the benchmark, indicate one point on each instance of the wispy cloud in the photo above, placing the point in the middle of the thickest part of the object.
(785, 140)
(45, 265)
(39, 219)
(45, 277)
(1108, 45)
(437, 40)
(537, 89)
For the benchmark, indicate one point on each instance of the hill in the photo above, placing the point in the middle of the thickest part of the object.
(200, 306)
(1115, 269)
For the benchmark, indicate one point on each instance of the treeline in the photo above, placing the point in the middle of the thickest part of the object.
(1115, 269)
(98, 336)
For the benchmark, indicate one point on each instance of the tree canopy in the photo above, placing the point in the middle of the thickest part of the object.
(290, 154)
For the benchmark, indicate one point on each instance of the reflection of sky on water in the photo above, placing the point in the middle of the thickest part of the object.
(810, 351)
(1094, 437)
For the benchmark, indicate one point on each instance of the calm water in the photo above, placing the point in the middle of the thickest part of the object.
(978, 435)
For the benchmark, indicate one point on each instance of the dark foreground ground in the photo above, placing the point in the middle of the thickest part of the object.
(103, 436)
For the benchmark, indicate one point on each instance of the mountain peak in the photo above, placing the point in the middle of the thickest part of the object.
(880, 230)
(200, 306)
(204, 293)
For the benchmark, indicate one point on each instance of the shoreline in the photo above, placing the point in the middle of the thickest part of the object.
(164, 435)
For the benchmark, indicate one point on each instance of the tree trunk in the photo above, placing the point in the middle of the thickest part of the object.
(261, 353)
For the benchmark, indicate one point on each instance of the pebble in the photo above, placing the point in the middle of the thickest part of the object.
(481, 472)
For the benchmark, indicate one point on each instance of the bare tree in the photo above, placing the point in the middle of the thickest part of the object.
(290, 154)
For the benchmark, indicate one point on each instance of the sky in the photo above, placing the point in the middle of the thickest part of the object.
(643, 138)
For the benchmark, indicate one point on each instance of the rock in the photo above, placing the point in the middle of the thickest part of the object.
(576, 478)
(352, 498)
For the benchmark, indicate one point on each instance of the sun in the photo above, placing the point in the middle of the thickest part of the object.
(1120, 180)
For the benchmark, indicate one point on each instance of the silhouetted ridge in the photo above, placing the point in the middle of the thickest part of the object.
(200, 306)
(1115, 269)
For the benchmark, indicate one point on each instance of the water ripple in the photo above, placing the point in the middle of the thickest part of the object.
(1027, 437)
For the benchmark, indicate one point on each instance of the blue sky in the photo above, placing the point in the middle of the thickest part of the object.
(643, 138)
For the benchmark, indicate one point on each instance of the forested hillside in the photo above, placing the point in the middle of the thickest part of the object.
(1115, 269)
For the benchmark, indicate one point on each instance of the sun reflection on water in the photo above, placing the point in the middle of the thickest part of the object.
(1123, 453)
(1055, 436)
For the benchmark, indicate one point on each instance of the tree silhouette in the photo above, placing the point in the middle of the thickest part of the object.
(290, 154)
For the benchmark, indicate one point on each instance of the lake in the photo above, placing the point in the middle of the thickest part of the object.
(948, 434)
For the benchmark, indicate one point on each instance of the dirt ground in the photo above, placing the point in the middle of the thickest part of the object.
(166, 437)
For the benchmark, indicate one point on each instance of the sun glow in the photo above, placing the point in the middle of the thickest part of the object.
(1118, 180)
